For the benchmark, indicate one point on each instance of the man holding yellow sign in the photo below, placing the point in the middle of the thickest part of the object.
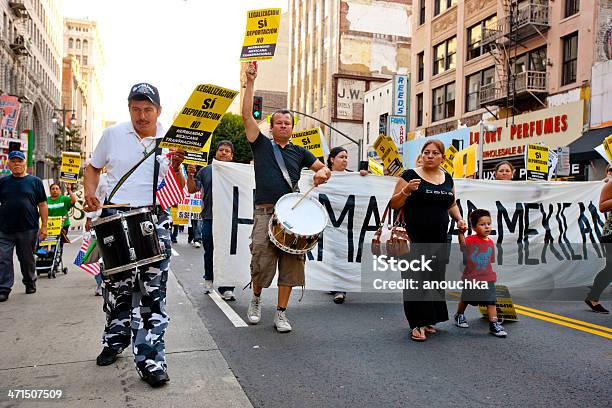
(22, 202)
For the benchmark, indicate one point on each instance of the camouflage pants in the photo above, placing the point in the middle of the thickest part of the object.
(135, 304)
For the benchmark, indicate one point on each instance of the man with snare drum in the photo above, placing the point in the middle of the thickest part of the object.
(271, 183)
(135, 299)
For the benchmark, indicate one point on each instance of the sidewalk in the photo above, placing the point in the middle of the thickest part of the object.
(50, 340)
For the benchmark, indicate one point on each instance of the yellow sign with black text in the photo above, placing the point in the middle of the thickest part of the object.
(465, 162)
(261, 34)
(503, 303)
(70, 167)
(387, 151)
(176, 220)
(449, 156)
(54, 230)
(195, 123)
(537, 162)
(375, 167)
(309, 139)
(607, 145)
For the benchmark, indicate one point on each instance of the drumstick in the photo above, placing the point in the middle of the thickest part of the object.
(115, 205)
(303, 197)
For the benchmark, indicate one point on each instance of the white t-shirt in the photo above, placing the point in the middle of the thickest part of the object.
(119, 149)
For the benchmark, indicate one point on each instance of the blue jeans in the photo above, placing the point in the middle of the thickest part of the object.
(207, 244)
(194, 232)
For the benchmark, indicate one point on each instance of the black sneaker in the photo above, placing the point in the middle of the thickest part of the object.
(4, 297)
(496, 329)
(30, 289)
(598, 308)
(107, 357)
(156, 378)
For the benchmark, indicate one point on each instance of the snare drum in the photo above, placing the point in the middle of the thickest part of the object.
(128, 240)
(297, 230)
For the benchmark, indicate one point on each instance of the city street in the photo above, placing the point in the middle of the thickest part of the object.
(354, 354)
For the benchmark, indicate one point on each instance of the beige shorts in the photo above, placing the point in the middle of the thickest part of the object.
(265, 256)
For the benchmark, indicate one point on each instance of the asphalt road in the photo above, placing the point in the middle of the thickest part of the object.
(359, 354)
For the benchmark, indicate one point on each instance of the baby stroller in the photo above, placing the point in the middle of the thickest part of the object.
(48, 256)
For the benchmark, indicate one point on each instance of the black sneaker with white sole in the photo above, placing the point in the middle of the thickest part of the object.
(496, 329)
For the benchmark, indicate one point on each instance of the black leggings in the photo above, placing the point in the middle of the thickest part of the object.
(604, 277)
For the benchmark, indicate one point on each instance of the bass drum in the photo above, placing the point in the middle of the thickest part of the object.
(128, 240)
(297, 230)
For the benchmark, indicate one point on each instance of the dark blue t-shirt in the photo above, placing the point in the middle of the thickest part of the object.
(270, 185)
(204, 183)
(19, 199)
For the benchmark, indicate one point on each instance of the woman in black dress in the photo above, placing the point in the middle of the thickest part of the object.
(427, 194)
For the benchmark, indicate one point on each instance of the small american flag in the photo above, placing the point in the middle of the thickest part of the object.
(91, 268)
(169, 191)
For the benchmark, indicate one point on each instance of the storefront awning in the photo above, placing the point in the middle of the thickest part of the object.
(583, 148)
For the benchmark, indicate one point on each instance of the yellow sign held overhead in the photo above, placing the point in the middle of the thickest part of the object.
(261, 34)
(309, 139)
(537, 162)
(70, 167)
(607, 145)
(387, 151)
(199, 118)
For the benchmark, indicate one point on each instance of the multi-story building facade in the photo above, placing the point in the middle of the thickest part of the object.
(339, 49)
(82, 41)
(500, 60)
(30, 70)
(74, 100)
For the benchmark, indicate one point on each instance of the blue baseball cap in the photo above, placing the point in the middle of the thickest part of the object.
(16, 153)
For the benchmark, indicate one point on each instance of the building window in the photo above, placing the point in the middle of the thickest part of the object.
(442, 5)
(571, 7)
(70, 43)
(474, 35)
(382, 124)
(443, 102)
(570, 58)
(534, 60)
(473, 83)
(85, 46)
(445, 55)
(78, 44)
(421, 12)
(420, 66)
(368, 133)
(419, 110)
(85, 60)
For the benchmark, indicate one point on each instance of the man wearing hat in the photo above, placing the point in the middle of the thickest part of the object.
(22, 202)
(135, 300)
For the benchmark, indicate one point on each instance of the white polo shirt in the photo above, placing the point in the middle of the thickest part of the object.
(119, 149)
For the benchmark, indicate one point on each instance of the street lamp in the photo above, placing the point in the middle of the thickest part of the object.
(484, 127)
(73, 120)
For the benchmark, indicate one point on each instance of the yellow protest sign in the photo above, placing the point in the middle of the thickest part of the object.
(387, 151)
(176, 219)
(199, 158)
(537, 162)
(199, 117)
(449, 156)
(54, 230)
(375, 167)
(503, 303)
(465, 162)
(261, 34)
(70, 167)
(607, 145)
(309, 139)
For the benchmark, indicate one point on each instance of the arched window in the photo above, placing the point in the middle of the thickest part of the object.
(71, 43)
(85, 46)
(78, 44)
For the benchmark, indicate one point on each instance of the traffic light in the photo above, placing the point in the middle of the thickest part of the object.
(257, 107)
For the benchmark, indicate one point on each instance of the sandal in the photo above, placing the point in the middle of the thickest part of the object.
(421, 334)
(430, 329)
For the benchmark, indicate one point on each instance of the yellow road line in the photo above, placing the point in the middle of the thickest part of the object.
(580, 322)
(566, 324)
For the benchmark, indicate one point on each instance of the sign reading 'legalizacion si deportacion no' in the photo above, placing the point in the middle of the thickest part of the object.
(261, 34)
(199, 117)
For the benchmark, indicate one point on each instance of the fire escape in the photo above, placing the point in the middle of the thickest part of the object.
(21, 45)
(514, 83)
